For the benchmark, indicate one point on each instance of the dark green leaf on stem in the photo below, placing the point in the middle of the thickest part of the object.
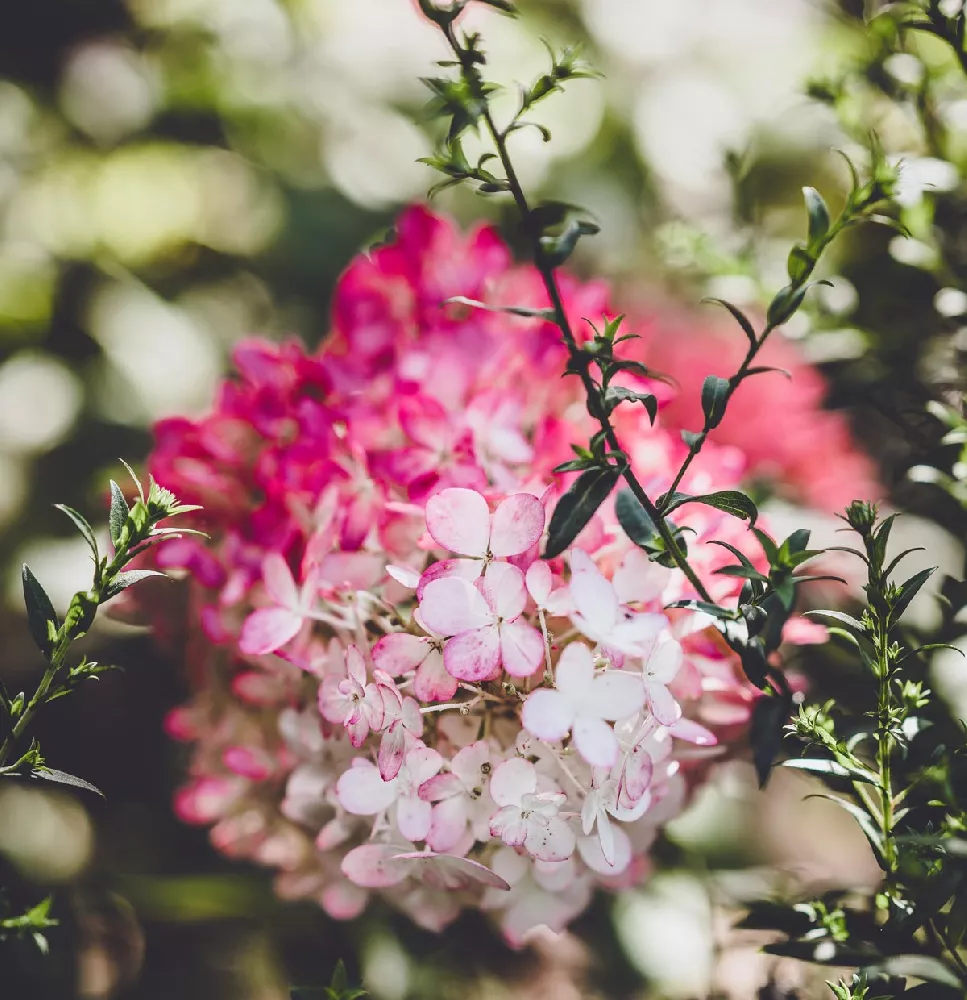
(800, 263)
(909, 590)
(818, 215)
(731, 501)
(118, 514)
(555, 250)
(617, 394)
(634, 519)
(41, 617)
(865, 823)
(578, 506)
(124, 580)
(715, 394)
(63, 778)
(83, 526)
(739, 316)
(919, 966)
(769, 716)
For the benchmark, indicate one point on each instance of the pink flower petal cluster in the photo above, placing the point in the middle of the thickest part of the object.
(394, 694)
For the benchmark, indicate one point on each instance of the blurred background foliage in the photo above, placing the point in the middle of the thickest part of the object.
(176, 174)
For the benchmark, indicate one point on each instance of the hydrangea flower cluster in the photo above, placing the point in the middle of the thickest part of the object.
(394, 693)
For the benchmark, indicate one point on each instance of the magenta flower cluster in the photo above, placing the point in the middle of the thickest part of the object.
(393, 693)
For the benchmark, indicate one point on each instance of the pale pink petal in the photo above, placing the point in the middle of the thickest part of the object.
(356, 665)
(452, 605)
(373, 866)
(517, 525)
(278, 581)
(432, 682)
(413, 817)
(448, 873)
(473, 655)
(266, 629)
(404, 576)
(590, 849)
(539, 580)
(547, 714)
(512, 780)
(592, 593)
(422, 763)
(351, 570)
(595, 741)
(575, 671)
(521, 648)
(503, 587)
(636, 776)
(441, 786)
(664, 662)
(465, 569)
(399, 652)
(362, 792)
(509, 825)
(391, 749)
(804, 632)
(448, 824)
(693, 732)
(459, 520)
(639, 579)
(662, 704)
(615, 695)
(639, 630)
(334, 704)
(468, 764)
(553, 842)
(425, 421)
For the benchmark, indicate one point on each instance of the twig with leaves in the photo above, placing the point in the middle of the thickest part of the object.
(133, 530)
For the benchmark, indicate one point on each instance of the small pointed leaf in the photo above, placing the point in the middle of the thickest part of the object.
(715, 394)
(40, 611)
(578, 506)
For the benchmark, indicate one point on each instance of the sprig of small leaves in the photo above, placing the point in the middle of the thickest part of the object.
(133, 529)
(896, 772)
(338, 989)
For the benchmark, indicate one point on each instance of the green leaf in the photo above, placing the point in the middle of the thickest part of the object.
(715, 394)
(577, 507)
(785, 304)
(741, 556)
(739, 316)
(769, 546)
(842, 617)
(83, 526)
(818, 215)
(555, 250)
(742, 573)
(617, 394)
(118, 514)
(919, 966)
(769, 716)
(40, 612)
(731, 501)
(63, 778)
(124, 580)
(634, 519)
(800, 263)
(505, 6)
(830, 767)
(864, 821)
(908, 590)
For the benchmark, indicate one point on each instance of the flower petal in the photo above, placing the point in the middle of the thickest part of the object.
(547, 714)
(693, 732)
(593, 595)
(639, 579)
(615, 695)
(521, 648)
(413, 817)
(662, 703)
(374, 866)
(539, 581)
(469, 763)
(593, 855)
(466, 569)
(449, 823)
(574, 672)
(503, 587)
(459, 520)
(473, 655)
(432, 682)
(512, 780)
(554, 841)
(391, 750)
(664, 662)
(266, 629)
(399, 652)
(509, 825)
(278, 581)
(595, 741)
(452, 605)
(517, 525)
(362, 792)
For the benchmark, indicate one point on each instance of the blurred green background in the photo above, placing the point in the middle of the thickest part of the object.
(176, 174)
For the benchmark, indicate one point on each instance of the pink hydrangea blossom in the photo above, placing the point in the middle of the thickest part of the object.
(393, 694)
